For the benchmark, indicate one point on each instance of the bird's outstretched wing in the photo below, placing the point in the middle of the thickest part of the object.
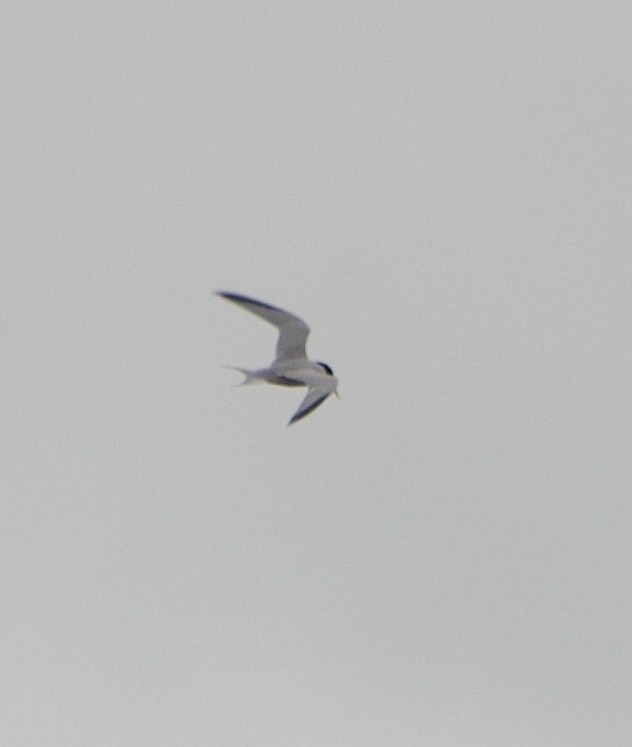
(293, 331)
(315, 396)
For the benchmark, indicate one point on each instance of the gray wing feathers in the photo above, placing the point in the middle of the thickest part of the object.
(316, 395)
(314, 398)
(293, 332)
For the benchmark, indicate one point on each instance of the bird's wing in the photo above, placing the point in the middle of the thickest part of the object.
(316, 395)
(293, 331)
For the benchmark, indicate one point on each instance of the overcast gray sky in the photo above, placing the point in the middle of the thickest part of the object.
(442, 557)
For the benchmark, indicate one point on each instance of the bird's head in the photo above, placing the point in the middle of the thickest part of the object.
(327, 369)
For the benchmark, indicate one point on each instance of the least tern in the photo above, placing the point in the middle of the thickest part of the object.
(291, 367)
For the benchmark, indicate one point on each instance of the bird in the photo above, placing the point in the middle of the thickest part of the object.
(291, 367)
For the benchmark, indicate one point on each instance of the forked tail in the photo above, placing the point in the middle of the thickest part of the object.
(250, 377)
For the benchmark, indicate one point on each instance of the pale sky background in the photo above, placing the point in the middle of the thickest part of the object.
(442, 190)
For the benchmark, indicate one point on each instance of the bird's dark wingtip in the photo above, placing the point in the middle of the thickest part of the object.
(239, 298)
(225, 294)
(303, 413)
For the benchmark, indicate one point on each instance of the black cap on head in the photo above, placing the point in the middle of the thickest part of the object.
(326, 367)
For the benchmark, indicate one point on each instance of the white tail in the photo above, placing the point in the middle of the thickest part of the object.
(251, 377)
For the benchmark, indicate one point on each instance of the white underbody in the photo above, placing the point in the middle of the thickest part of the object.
(291, 367)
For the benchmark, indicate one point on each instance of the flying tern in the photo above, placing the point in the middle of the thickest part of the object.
(291, 367)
